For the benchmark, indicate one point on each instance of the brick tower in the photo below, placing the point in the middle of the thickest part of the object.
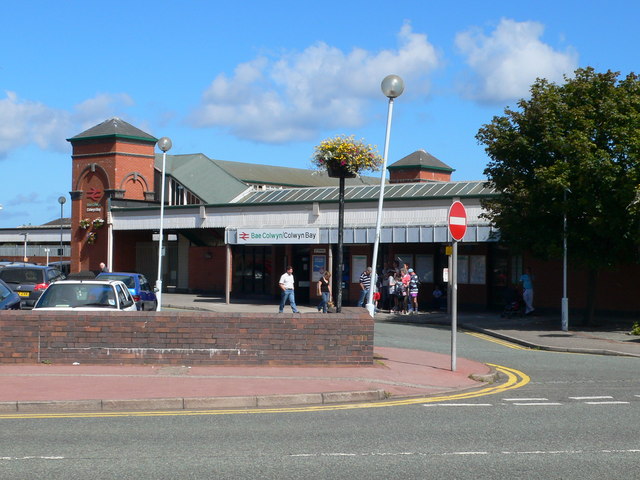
(420, 166)
(111, 160)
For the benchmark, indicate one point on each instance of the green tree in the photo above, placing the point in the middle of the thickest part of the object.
(574, 149)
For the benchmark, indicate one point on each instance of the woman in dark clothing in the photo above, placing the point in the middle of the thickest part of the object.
(324, 291)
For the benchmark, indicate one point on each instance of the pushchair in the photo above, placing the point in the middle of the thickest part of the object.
(514, 304)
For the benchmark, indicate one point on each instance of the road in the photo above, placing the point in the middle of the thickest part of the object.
(578, 418)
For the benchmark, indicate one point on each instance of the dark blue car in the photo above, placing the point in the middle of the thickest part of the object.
(9, 300)
(142, 293)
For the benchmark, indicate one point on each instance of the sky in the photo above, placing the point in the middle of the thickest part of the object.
(265, 81)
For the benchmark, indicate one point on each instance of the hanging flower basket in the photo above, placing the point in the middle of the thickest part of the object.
(85, 223)
(98, 222)
(91, 238)
(344, 156)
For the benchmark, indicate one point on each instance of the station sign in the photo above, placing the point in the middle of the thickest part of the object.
(277, 236)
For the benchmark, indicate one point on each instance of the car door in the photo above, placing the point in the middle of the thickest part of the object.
(147, 295)
(125, 300)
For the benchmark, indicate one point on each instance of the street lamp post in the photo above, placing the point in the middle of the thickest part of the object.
(24, 257)
(164, 144)
(392, 87)
(565, 300)
(47, 252)
(61, 200)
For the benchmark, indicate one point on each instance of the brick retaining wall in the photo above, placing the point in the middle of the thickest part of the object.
(187, 338)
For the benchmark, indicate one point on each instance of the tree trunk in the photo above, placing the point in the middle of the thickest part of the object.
(592, 283)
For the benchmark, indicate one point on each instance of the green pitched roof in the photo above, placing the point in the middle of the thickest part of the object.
(220, 181)
(420, 159)
(286, 176)
(114, 127)
(203, 177)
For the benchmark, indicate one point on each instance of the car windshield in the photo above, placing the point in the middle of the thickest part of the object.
(21, 275)
(126, 279)
(78, 295)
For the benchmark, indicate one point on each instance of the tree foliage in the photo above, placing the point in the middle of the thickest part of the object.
(573, 149)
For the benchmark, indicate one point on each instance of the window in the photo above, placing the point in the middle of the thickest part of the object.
(424, 268)
(472, 269)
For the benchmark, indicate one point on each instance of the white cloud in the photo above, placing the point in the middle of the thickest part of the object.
(507, 62)
(24, 122)
(296, 95)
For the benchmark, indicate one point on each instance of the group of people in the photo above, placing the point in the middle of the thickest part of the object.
(396, 290)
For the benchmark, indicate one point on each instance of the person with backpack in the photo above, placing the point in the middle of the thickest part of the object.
(401, 295)
(414, 286)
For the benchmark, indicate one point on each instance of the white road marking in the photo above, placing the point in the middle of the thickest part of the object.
(30, 458)
(525, 399)
(607, 403)
(448, 454)
(536, 404)
(457, 405)
(591, 398)
(466, 453)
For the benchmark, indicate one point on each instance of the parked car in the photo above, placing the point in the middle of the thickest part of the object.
(9, 300)
(143, 294)
(64, 266)
(29, 281)
(86, 295)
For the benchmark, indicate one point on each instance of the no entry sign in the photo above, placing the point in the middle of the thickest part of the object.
(457, 220)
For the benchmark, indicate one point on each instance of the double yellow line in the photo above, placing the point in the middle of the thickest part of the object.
(515, 379)
(504, 343)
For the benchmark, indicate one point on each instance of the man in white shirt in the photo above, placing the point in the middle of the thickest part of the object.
(287, 284)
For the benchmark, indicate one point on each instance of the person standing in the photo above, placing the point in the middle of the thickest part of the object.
(365, 285)
(406, 278)
(324, 291)
(414, 284)
(526, 279)
(103, 267)
(287, 285)
(392, 299)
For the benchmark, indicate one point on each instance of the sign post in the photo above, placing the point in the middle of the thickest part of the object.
(457, 221)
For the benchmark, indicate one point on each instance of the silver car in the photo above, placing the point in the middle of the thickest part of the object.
(86, 295)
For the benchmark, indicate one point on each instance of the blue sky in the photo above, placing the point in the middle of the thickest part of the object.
(263, 82)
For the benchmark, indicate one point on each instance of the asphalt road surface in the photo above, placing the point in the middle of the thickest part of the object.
(577, 418)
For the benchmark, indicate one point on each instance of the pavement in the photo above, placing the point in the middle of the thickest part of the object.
(396, 373)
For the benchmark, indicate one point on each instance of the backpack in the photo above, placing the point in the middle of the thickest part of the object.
(414, 283)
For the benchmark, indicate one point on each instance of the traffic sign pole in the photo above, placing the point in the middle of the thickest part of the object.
(457, 221)
(454, 304)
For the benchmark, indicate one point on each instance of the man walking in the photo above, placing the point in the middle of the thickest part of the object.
(365, 285)
(286, 284)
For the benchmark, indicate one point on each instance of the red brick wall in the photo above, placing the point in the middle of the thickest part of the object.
(122, 165)
(206, 268)
(187, 338)
(417, 175)
(124, 256)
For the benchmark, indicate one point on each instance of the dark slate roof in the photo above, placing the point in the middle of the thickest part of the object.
(421, 159)
(65, 222)
(114, 127)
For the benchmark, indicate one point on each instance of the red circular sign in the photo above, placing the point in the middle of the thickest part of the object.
(457, 220)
